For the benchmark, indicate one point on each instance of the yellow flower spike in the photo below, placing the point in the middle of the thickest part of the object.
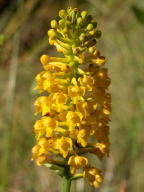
(76, 104)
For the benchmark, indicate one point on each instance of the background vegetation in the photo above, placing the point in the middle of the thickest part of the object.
(23, 38)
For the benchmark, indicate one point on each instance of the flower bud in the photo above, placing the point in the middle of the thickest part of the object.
(61, 22)
(79, 20)
(52, 34)
(98, 34)
(94, 24)
(93, 32)
(62, 13)
(44, 59)
(82, 37)
(89, 27)
(54, 24)
(84, 14)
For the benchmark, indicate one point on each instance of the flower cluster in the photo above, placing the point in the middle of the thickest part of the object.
(75, 109)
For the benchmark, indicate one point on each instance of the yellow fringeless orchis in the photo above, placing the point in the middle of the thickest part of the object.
(75, 109)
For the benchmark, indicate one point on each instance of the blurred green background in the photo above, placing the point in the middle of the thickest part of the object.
(23, 38)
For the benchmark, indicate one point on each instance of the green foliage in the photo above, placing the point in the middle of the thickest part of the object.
(139, 13)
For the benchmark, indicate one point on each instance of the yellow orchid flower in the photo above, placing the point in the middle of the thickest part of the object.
(76, 162)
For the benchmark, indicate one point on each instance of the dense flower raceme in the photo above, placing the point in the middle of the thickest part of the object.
(76, 105)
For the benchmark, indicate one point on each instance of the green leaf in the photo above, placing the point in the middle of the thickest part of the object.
(139, 13)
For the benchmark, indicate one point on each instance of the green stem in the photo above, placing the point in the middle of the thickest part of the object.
(66, 180)
(66, 184)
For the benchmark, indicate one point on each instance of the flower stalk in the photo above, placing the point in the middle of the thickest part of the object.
(76, 107)
(66, 180)
(66, 184)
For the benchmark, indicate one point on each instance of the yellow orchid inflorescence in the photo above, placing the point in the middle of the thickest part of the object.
(76, 105)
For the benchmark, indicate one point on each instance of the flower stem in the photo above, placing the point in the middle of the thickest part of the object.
(66, 184)
(66, 180)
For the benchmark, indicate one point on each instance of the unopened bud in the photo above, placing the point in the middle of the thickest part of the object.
(98, 34)
(61, 22)
(82, 37)
(62, 13)
(44, 59)
(92, 32)
(79, 20)
(94, 24)
(52, 33)
(54, 24)
(84, 14)
(89, 27)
